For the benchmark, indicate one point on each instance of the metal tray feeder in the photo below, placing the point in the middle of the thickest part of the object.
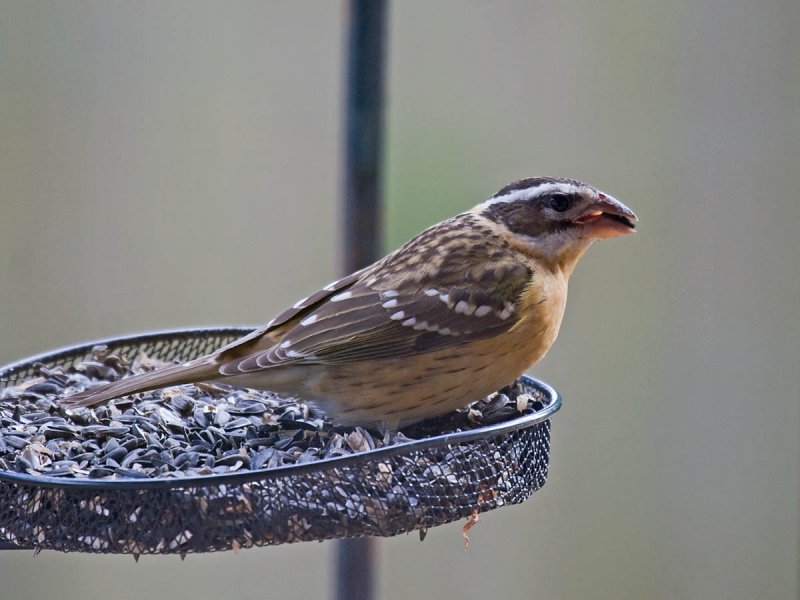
(382, 492)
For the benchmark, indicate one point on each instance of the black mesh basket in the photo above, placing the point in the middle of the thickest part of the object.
(382, 492)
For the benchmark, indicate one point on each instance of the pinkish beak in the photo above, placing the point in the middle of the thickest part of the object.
(607, 218)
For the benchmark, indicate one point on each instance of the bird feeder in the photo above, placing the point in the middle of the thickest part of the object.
(413, 485)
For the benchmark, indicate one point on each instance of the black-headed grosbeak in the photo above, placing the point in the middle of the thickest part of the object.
(457, 312)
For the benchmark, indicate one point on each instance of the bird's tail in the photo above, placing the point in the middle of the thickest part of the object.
(175, 375)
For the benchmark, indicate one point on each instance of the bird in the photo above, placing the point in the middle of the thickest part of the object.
(454, 314)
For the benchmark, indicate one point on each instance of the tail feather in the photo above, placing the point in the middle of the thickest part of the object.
(174, 375)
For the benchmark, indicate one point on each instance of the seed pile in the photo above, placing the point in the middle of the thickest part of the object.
(191, 430)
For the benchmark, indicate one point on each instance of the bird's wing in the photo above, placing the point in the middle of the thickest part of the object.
(394, 312)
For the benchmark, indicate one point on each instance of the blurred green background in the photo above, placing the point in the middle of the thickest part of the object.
(171, 164)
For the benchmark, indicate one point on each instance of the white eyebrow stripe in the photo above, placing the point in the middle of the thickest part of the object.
(533, 192)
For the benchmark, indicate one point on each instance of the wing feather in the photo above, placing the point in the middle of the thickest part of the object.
(394, 317)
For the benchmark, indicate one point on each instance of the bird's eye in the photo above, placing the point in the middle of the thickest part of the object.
(560, 202)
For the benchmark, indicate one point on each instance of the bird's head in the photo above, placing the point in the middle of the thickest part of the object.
(556, 220)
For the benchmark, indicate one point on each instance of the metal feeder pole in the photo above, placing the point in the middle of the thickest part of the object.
(356, 557)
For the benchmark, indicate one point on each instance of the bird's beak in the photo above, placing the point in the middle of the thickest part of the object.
(607, 217)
